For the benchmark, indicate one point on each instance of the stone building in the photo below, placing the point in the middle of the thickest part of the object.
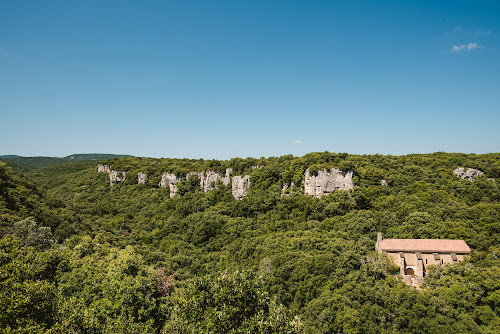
(414, 255)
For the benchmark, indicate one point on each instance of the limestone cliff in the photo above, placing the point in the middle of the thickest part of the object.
(170, 180)
(142, 178)
(240, 186)
(468, 174)
(103, 168)
(326, 182)
(115, 177)
(227, 177)
(210, 179)
(287, 189)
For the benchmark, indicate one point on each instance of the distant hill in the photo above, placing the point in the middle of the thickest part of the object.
(26, 164)
(94, 156)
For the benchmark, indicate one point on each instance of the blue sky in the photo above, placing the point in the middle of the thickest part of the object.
(221, 79)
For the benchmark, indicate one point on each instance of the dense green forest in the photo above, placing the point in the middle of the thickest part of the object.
(80, 256)
(26, 164)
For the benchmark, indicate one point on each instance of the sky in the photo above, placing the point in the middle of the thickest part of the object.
(222, 79)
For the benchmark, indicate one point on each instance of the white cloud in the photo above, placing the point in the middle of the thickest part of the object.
(468, 47)
(296, 141)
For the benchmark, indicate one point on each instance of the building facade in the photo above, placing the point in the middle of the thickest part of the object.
(413, 256)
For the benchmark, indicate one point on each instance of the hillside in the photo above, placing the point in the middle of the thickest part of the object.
(314, 255)
(26, 164)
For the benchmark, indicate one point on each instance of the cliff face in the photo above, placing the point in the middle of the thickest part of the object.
(142, 178)
(468, 174)
(287, 189)
(240, 186)
(170, 180)
(115, 177)
(210, 179)
(103, 168)
(326, 182)
(227, 177)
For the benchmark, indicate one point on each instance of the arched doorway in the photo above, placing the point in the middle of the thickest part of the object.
(410, 272)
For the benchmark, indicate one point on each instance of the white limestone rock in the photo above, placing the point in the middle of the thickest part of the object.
(170, 180)
(227, 177)
(103, 169)
(115, 177)
(327, 181)
(287, 189)
(142, 178)
(467, 174)
(210, 179)
(240, 186)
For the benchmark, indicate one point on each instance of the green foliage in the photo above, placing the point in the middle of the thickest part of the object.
(315, 257)
(228, 303)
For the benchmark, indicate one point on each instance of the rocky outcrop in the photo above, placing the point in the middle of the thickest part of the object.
(383, 183)
(170, 180)
(142, 178)
(240, 186)
(103, 168)
(326, 182)
(287, 189)
(115, 177)
(227, 177)
(210, 179)
(467, 174)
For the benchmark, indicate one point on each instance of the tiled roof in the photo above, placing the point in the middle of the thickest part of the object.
(424, 245)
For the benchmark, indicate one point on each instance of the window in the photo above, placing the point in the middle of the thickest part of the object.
(425, 261)
(441, 261)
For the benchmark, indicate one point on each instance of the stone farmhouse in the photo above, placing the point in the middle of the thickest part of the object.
(414, 255)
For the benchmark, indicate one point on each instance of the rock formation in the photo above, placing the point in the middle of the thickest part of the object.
(240, 186)
(468, 174)
(103, 168)
(287, 189)
(327, 181)
(210, 179)
(114, 177)
(142, 178)
(227, 178)
(383, 183)
(170, 180)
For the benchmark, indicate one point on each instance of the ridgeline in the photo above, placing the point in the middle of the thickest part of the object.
(294, 254)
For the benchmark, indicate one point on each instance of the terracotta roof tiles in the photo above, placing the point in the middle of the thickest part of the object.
(424, 245)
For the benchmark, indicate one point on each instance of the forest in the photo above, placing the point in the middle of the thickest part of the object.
(80, 256)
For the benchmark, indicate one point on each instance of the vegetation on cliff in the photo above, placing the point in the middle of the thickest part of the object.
(128, 258)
